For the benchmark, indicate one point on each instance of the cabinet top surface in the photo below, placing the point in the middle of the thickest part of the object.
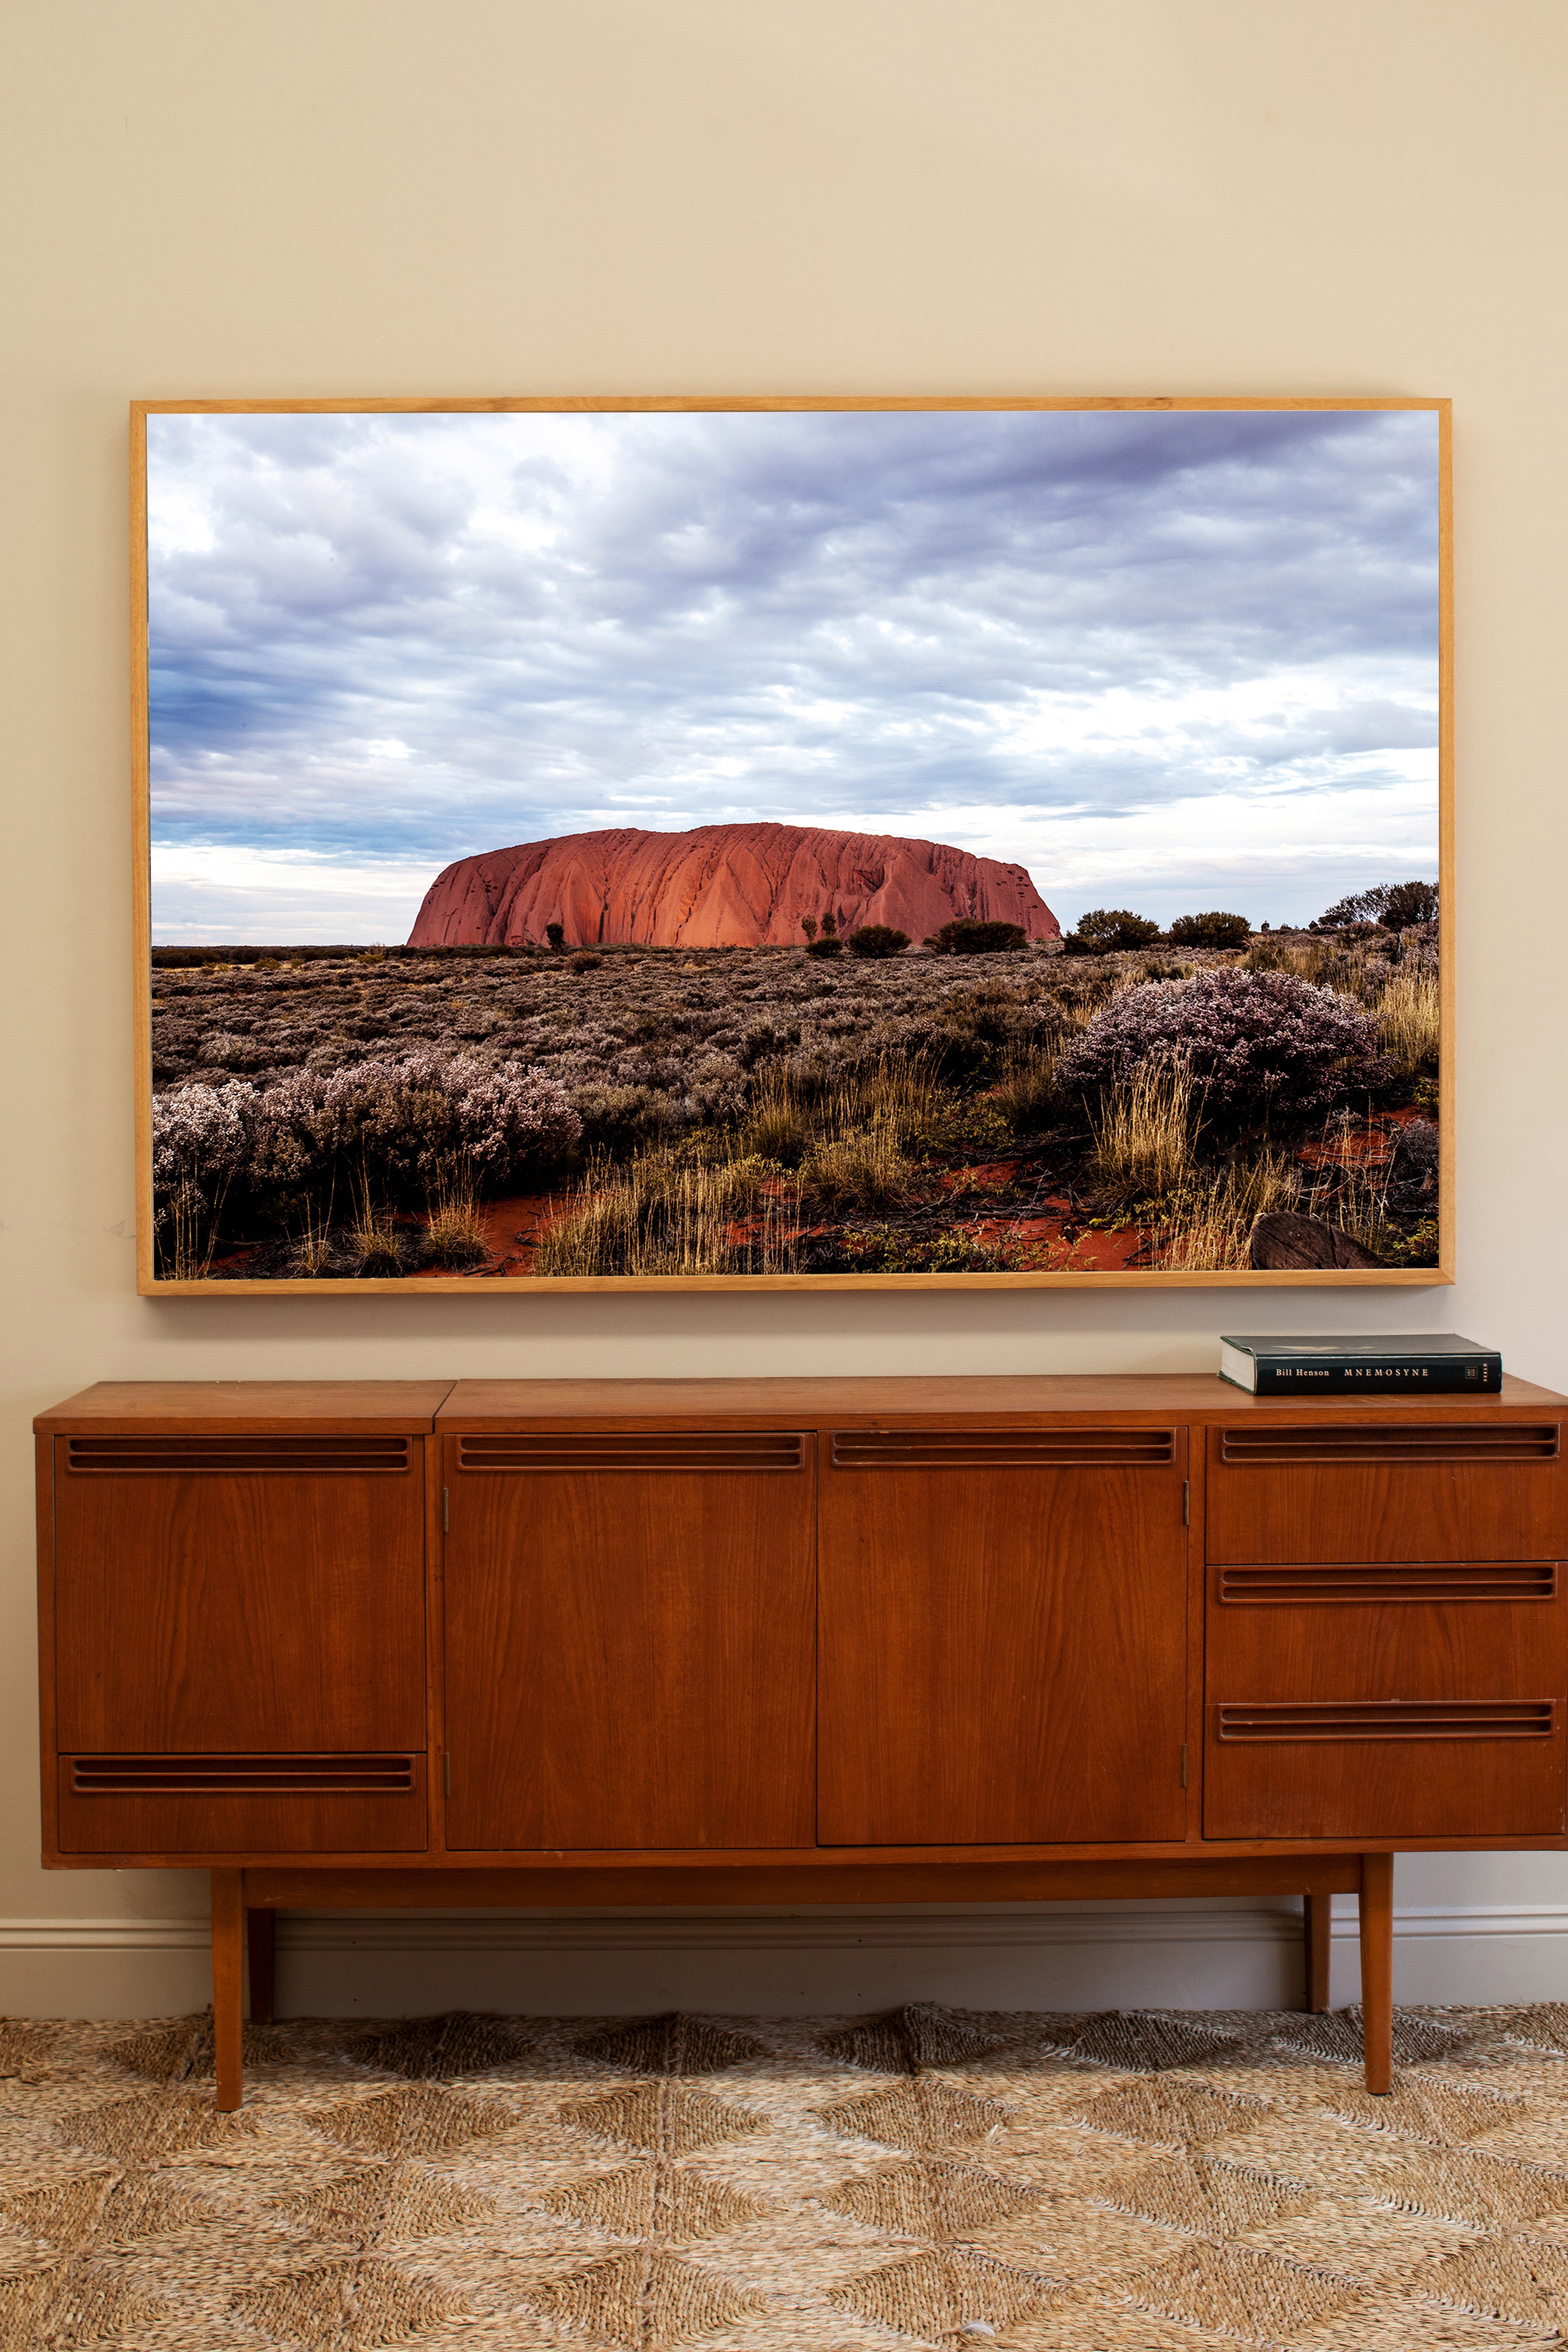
(394, 1407)
(413, 1406)
(1195, 1396)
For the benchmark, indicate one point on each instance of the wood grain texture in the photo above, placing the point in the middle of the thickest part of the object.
(1369, 1511)
(1317, 1938)
(465, 1286)
(1390, 1788)
(822, 1863)
(629, 1659)
(191, 1829)
(1373, 1650)
(1377, 1969)
(1404, 1792)
(922, 1401)
(292, 1886)
(1448, 911)
(1386, 1786)
(434, 1452)
(142, 860)
(137, 1407)
(270, 1612)
(228, 1988)
(1002, 1654)
(44, 1490)
(609, 404)
(673, 1793)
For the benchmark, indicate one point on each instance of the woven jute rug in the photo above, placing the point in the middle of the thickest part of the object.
(1139, 2182)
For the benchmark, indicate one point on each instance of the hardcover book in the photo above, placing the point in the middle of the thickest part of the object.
(1435, 1363)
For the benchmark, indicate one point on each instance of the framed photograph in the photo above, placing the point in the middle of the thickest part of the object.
(611, 844)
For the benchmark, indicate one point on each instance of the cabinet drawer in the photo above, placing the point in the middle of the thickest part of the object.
(1386, 1491)
(188, 1804)
(1384, 1716)
(1391, 1770)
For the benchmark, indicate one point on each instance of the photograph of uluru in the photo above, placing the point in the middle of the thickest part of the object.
(791, 844)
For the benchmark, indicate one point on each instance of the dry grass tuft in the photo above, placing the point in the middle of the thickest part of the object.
(857, 1172)
(186, 1250)
(1145, 1135)
(1027, 1095)
(655, 1215)
(1352, 1191)
(1409, 1018)
(778, 1126)
(454, 1232)
(1211, 1231)
(898, 1099)
(313, 1253)
(373, 1242)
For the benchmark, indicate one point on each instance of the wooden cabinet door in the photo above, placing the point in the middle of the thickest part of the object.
(1003, 1637)
(253, 1593)
(1325, 1490)
(629, 1640)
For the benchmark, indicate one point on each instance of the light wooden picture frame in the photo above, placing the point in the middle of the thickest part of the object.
(774, 844)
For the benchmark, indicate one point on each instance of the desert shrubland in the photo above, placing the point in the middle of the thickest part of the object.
(684, 1110)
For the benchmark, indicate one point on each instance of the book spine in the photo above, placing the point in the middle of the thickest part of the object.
(1465, 1376)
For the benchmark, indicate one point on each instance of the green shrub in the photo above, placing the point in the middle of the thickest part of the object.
(556, 934)
(827, 945)
(966, 936)
(877, 939)
(1395, 905)
(1212, 930)
(1105, 929)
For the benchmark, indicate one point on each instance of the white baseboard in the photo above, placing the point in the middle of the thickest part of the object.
(820, 1928)
(779, 1962)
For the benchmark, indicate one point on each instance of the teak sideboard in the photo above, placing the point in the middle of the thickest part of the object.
(746, 1642)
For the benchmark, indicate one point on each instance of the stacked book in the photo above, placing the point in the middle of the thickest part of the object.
(1423, 1363)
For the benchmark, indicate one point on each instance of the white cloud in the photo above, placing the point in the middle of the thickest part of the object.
(393, 641)
(236, 896)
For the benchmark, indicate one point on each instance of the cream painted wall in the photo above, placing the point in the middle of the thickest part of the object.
(204, 197)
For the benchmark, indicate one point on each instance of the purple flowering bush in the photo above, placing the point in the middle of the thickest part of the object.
(1256, 1042)
(405, 1122)
(402, 1124)
(200, 1139)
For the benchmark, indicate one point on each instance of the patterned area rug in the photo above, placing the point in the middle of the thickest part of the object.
(1148, 2182)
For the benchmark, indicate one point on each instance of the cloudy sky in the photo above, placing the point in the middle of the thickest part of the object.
(1167, 660)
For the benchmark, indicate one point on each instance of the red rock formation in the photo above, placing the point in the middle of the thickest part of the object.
(720, 886)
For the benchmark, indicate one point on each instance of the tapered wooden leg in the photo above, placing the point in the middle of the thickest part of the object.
(261, 1949)
(1317, 1923)
(228, 1984)
(1377, 1969)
